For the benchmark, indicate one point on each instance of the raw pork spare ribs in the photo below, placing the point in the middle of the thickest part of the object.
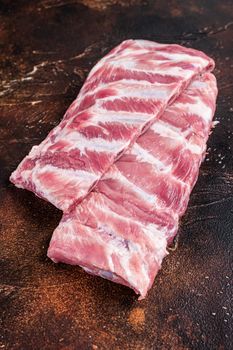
(124, 159)
(120, 231)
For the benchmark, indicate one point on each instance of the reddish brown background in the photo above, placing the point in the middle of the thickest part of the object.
(47, 48)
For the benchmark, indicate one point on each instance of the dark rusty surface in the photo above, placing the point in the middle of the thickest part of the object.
(47, 48)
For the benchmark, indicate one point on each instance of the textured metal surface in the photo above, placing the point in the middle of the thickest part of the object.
(47, 48)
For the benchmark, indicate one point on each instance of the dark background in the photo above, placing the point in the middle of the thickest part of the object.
(47, 48)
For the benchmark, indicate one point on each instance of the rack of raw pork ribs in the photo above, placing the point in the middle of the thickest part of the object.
(123, 161)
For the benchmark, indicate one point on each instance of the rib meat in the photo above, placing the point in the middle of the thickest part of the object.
(124, 159)
(122, 228)
(124, 93)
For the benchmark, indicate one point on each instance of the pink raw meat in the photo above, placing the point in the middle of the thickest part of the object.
(121, 229)
(124, 159)
(124, 94)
